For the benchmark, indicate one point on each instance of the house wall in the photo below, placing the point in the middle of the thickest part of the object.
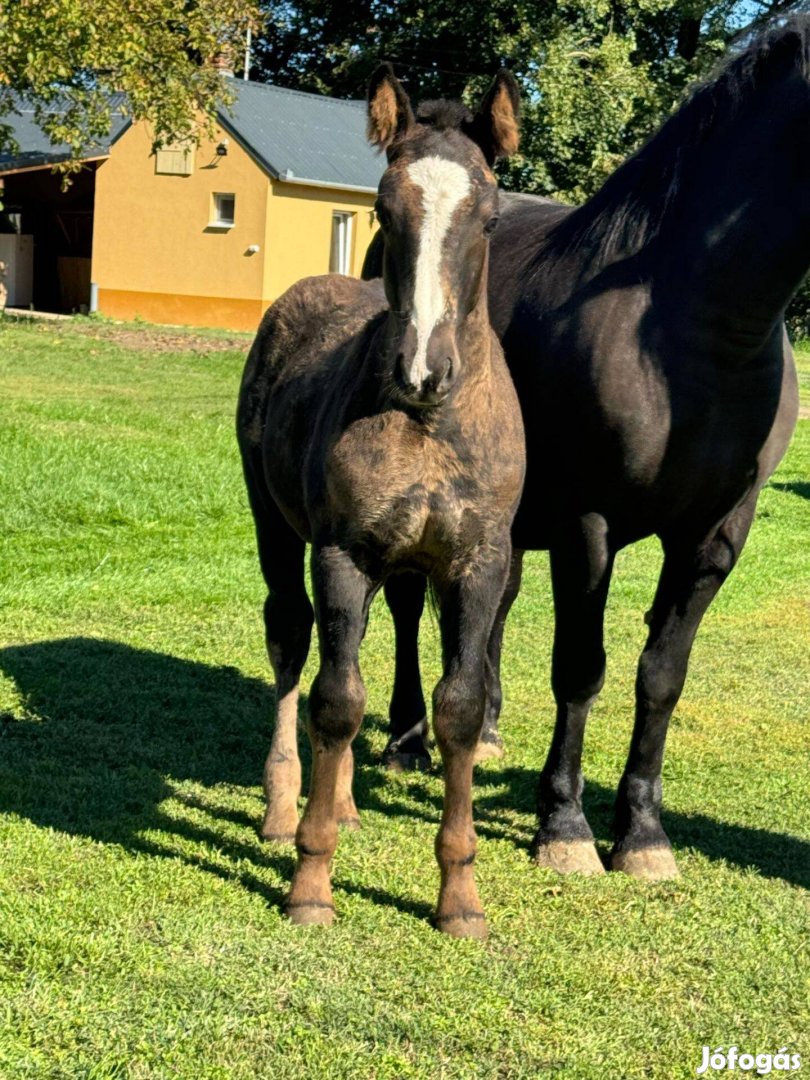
(299, 232)
(155, 256)
(154, 253)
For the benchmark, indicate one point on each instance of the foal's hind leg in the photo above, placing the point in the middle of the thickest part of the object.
(690, 579)
(288, 626)
(490, 745)
(408, 726)
(581, 564)
(337, 701)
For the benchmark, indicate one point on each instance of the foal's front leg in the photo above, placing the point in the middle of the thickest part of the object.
(468, 608)
(337, 700)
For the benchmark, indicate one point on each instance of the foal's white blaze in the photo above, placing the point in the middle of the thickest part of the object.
(444, 184)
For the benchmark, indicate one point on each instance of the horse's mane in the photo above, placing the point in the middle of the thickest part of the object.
(444, 115)
(632, 206)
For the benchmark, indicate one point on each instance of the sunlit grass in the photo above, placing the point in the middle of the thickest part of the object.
(140, 930)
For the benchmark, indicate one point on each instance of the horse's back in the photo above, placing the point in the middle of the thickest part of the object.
(301, 337)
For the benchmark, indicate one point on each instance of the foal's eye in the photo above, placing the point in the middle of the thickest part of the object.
(490, 226)
(383, 216)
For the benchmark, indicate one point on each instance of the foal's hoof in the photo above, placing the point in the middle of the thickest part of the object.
(468, 924)
(351, 822)
(409, 752)
(310, 913)
(410, 756)
(569, 857)
(647, 864)
(400, 763)
(489, 748)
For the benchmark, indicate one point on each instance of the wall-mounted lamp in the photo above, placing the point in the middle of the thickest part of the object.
(222, 148)
(254, 249)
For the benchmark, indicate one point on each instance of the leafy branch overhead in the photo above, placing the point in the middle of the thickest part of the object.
(597, 75)
(67, 56)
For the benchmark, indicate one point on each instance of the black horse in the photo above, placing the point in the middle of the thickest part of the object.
(645, 335)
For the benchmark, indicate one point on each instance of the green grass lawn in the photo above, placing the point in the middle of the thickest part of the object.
(140, 929)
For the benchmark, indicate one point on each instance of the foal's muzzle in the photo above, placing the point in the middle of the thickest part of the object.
(432, 390)
(437, 374)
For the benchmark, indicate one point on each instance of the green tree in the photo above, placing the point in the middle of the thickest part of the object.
(67, 56)
(597, 75)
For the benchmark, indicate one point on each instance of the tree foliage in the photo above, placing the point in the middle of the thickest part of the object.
(67, 56)
(597, 75)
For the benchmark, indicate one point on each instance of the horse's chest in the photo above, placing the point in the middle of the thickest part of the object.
(408, 498)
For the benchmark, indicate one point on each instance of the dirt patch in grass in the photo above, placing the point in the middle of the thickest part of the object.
(147, 337)
(160, 339)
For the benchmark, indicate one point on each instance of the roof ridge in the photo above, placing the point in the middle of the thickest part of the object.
(353, 102)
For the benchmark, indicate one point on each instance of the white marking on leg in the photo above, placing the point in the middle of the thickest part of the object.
(444, 184)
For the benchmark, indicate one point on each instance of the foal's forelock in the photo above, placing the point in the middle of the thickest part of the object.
(443, 185)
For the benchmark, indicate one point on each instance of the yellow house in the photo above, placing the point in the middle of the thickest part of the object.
(208, 235)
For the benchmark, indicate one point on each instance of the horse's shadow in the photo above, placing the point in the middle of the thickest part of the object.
(110, 731)
(795, 487)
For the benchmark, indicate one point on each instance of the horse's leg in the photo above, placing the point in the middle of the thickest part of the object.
(581, 565)
(468, 609)
(408, 727)
(288, 627)
(337, 701)
(490, 744)
(690, 579)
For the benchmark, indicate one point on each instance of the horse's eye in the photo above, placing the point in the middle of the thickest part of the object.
(383, 216)
(491, 225)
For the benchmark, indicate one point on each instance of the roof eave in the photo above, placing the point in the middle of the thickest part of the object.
(48, 163)
(333, 186)
(284, 177)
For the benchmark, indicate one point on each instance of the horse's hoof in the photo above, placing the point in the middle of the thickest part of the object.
(569, 857)
(468, 924)
(400, 762)
(351, 823)
(647, 864)
(310, 913)
(489, 748)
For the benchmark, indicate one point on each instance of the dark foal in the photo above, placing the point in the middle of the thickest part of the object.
(644, 332)
(381, 426)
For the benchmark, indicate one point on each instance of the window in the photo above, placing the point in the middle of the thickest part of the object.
(341, 254)
(176, 159)
(224, 210)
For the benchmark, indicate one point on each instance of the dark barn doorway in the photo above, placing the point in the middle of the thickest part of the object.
(61, 224)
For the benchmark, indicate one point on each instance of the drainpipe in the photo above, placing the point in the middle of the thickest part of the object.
(93, 297)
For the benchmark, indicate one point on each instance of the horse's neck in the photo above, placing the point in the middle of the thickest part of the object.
(737, 244)
(475, 342)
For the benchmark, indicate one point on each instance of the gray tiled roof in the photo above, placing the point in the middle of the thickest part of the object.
(34, 146)
(299, 136)
(294, 136)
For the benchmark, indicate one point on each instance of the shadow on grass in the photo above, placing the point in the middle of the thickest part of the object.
(797, 487)
(110, 730)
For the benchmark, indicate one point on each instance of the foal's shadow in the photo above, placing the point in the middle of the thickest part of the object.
(110, 731)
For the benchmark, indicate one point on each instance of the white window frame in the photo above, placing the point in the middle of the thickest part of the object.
(340, 242)
(217, 221)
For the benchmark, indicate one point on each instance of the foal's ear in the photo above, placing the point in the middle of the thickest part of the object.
(495, 126)
(389, 111)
